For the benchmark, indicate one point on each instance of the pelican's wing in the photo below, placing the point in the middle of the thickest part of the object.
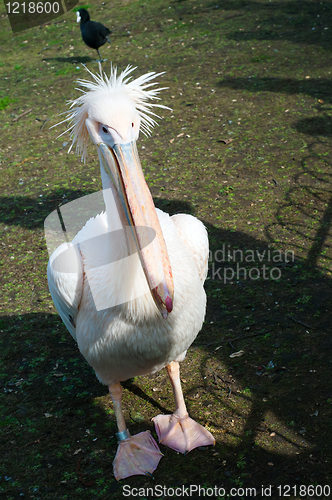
(65, 281)
(194, 235)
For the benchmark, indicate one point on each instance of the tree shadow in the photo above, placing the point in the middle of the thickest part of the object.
(301, 22)
(313, 188)
(30, 212)
(317, 125)
(314, 87)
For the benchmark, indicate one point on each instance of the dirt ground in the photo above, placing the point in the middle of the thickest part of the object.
(246, 149)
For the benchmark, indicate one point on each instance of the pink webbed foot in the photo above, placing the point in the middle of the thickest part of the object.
(181, 434)
(136, 455)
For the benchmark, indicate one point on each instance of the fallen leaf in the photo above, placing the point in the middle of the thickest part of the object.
(226, 141)
(314, 414)
(236, 354)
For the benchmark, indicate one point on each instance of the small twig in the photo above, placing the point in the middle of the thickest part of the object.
(27, 159)
(32, 442)
(300, 322)
(237, 338)
(33, 292)
(231, 345)
(224, 380)
(231, 16)
(23, 114)
(250, 335)
(55, 22)
(285, 264)
(41, 120)
(49, 47)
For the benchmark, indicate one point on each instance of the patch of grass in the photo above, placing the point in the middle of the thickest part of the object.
(86, 6)
(65, 71)
(5, 102)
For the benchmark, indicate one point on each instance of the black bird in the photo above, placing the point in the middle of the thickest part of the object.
(94, 34)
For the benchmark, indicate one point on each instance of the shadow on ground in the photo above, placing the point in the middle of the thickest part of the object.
(71, 60)
(301, 22)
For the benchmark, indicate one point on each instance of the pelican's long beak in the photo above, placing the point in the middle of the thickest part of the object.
(123, 165)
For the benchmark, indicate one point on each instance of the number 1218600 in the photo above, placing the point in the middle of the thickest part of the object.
(33, 7)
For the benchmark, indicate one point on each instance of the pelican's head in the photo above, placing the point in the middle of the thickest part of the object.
(112, 111)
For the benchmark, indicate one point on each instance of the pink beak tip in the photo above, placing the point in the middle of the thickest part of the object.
(169, 304)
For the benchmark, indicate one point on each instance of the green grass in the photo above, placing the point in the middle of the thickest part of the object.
(5, 102)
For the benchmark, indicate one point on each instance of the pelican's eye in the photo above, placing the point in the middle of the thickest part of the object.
(132, 125)
(104, 129)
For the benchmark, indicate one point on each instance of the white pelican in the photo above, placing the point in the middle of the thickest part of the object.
(152, 301)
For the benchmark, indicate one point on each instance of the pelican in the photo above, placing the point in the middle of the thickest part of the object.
(133, 298)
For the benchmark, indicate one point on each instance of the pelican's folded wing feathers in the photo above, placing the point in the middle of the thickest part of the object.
(194, 235)
(65, 281)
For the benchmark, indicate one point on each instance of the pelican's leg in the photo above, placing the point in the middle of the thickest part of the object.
(179, 431)
(137, 454)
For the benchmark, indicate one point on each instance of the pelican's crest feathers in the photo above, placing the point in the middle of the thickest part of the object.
(138, 90)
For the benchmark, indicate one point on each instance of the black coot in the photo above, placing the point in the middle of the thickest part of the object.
(94, 34)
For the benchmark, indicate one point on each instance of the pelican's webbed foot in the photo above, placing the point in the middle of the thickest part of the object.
(181, 434)
(136, 455)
